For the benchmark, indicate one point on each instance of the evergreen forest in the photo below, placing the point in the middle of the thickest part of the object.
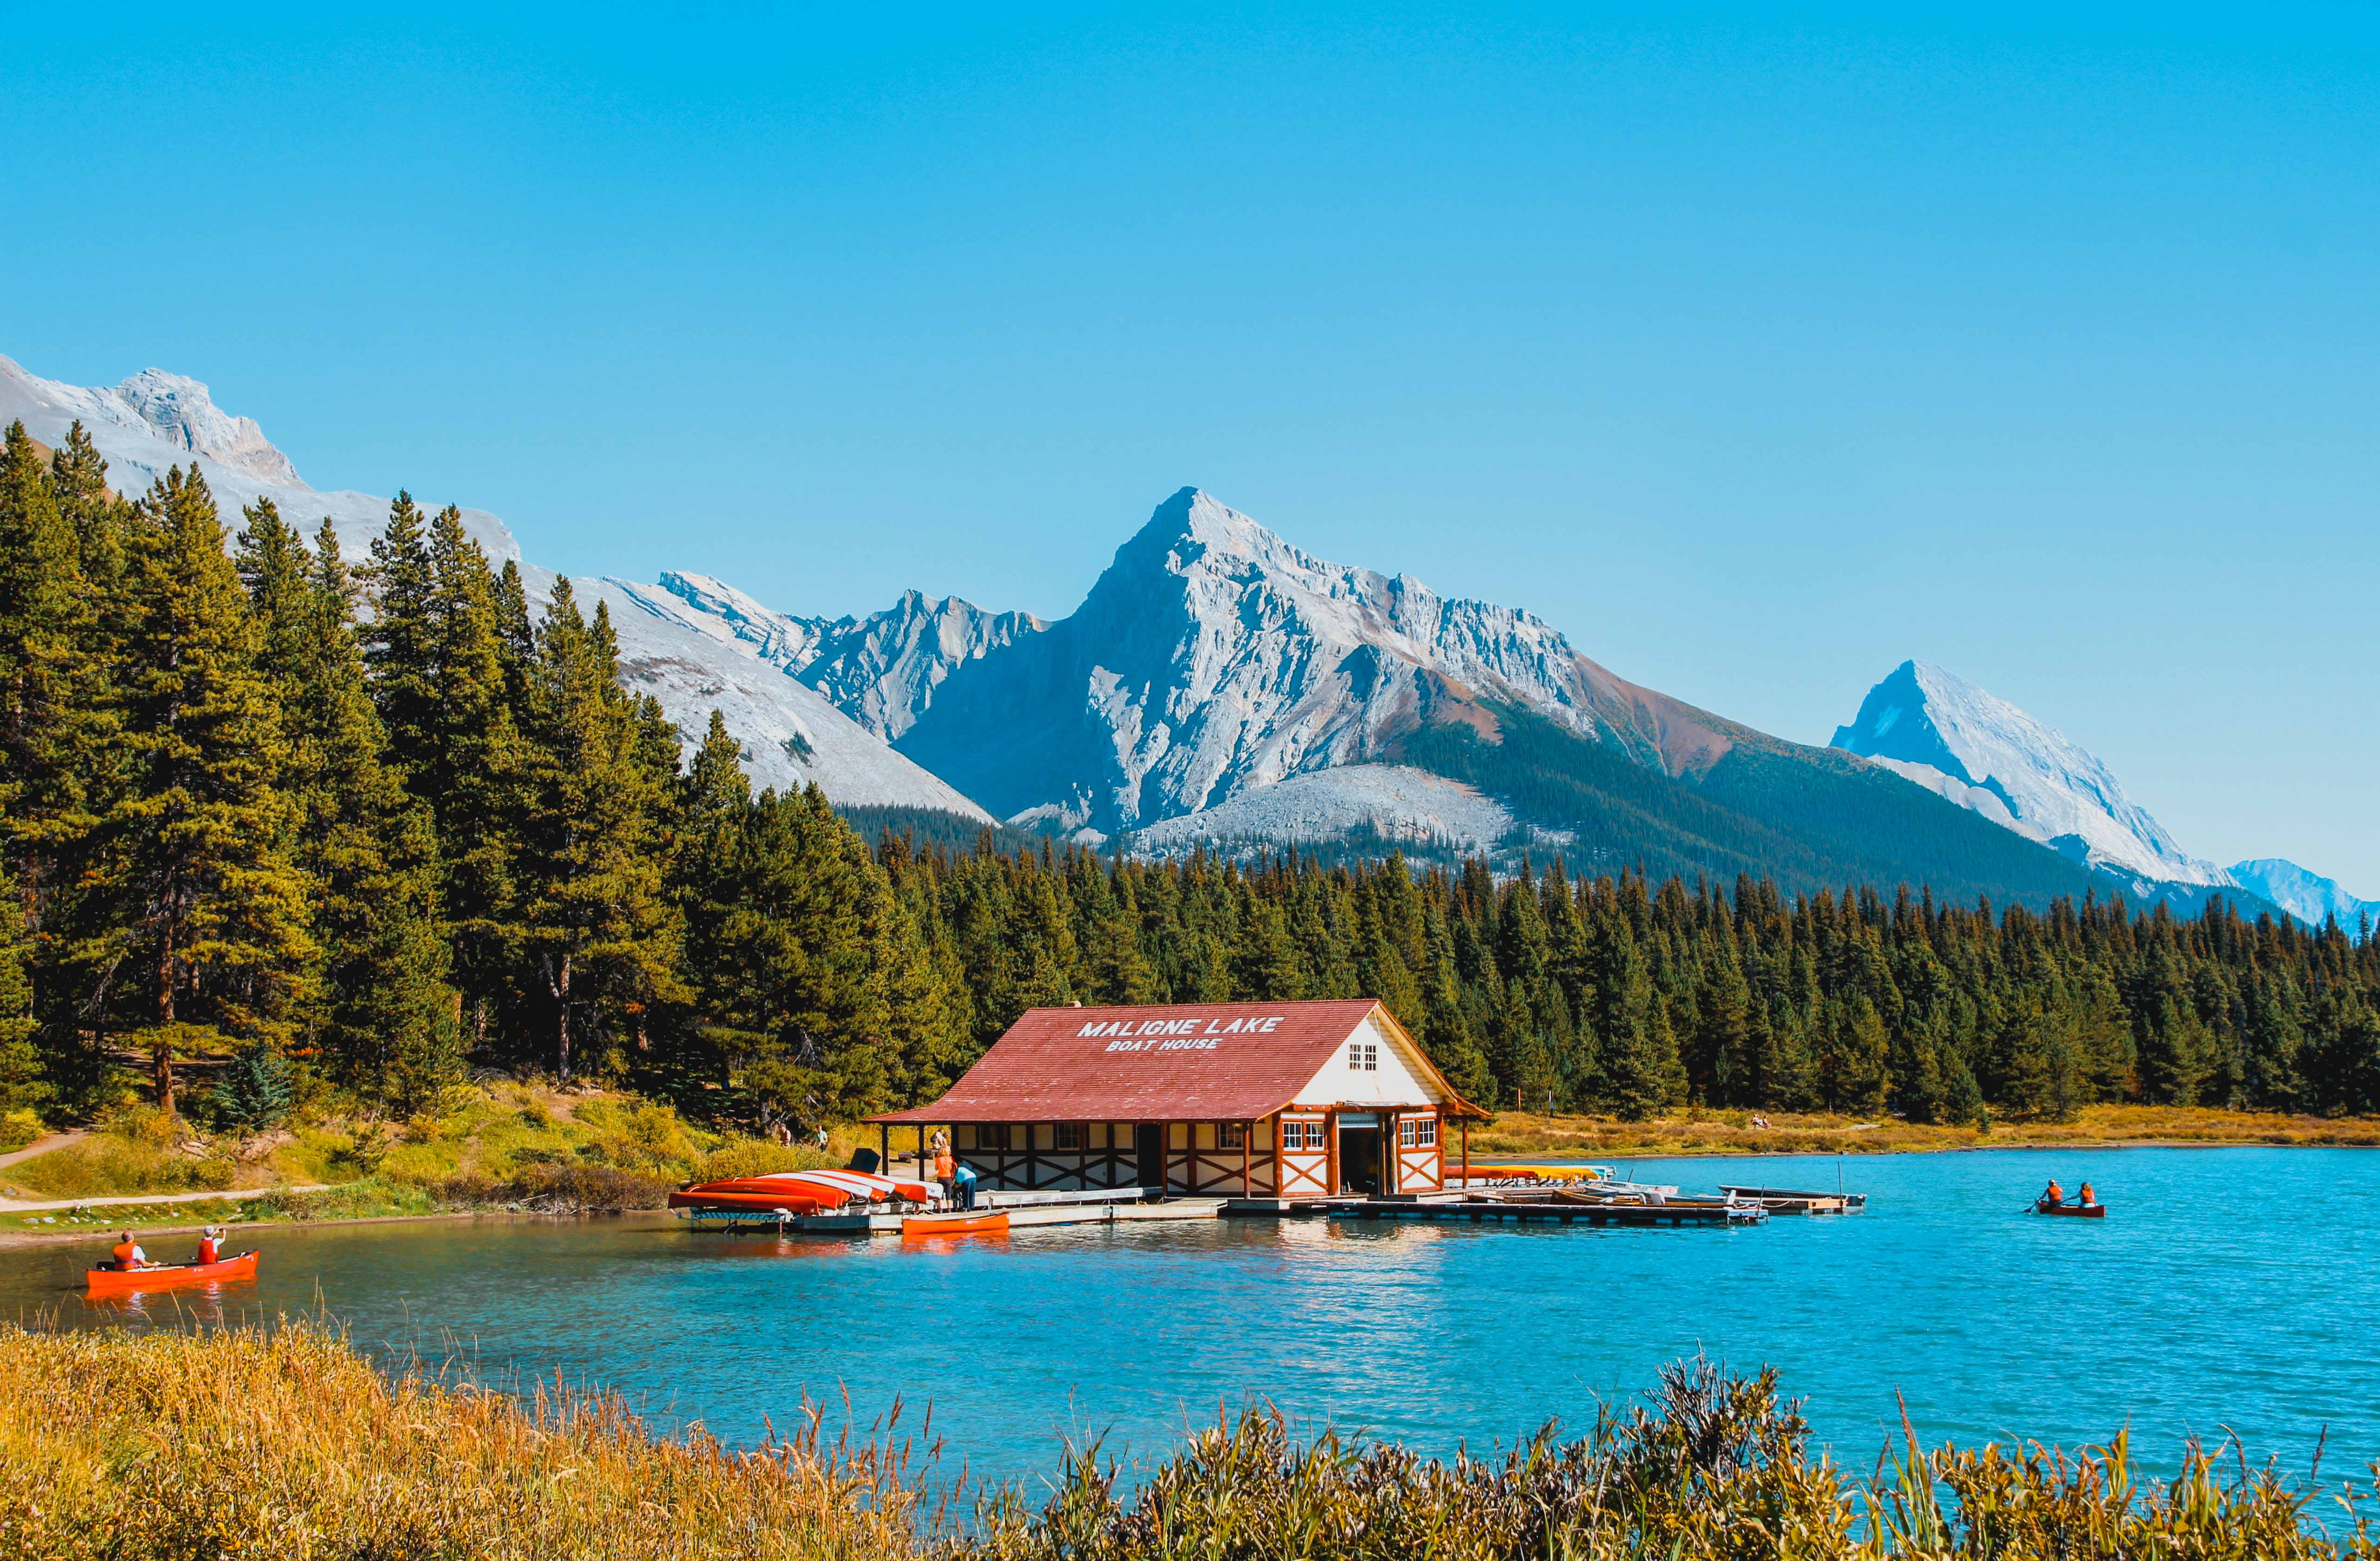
(393, 819)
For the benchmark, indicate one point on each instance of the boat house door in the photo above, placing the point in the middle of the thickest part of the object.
(1359, 1154)
(1148, 1148)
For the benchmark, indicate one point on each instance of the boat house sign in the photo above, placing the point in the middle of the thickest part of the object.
(1178, 1035)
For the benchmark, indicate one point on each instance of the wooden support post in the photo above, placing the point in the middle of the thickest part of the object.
(884, 1149)
(1279, 1181)
(1466, 1154)
(925, 1168)
(1330, 1152)
(1247, 1160)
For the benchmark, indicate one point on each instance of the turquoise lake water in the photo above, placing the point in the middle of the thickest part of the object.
(2229, 1290)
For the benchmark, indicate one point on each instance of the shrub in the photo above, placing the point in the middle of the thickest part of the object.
(17, 1128)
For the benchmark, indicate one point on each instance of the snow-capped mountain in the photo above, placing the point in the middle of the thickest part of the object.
(2307, 896)
(693, 660)
(880, 670)
(1952, 738)
(154, 420)
(1213, 658)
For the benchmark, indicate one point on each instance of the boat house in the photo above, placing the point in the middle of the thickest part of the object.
(1249, 1099)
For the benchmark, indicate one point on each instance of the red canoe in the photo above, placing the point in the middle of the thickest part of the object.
(745, 1197)
(2073, 1211)
(158, 1276)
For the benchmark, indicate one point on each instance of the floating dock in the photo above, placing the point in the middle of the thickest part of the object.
(1113, 1206)
(1785, 1201)
(1483, 1211)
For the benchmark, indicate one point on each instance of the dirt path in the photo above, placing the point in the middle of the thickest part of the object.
(9, 1206)
(41, 1146)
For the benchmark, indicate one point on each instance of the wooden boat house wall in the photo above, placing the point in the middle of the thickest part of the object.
(1260, 1099)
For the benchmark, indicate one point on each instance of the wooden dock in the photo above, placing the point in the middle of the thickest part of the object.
(1785, 1201)
(1512, 1210)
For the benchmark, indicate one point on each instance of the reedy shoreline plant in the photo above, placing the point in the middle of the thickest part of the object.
(288, 1443)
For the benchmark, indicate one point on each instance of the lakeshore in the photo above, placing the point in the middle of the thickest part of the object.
(471, 1164)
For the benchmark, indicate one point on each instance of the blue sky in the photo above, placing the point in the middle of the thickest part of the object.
(1758, 348)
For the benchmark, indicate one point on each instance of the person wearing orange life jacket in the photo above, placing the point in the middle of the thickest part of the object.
(2056, 1196)
(211, 1244)
(946, 1171)
(2085, 1196)
(128, 1254)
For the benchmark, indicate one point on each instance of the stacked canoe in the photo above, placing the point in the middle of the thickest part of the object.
(800, 1193)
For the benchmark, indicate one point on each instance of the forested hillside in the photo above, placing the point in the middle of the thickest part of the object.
(378, 819)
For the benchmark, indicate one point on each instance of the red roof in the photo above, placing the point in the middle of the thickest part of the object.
(1191, 1061)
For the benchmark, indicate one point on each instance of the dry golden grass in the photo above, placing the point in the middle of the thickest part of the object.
(289, 1444)
(1731, 1132)
(286, 1443)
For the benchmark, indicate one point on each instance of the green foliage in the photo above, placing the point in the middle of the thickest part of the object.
(254, 1091)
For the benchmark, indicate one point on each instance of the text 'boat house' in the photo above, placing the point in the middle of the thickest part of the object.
(1250, 1100)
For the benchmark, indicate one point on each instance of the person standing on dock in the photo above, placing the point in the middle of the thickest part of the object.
(946, 1170)
(963, 1185)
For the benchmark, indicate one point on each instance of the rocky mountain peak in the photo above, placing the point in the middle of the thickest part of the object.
(1932, 726)
(181, 412)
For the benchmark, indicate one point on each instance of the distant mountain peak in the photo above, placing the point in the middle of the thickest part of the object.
(2306, 895)
(1954, 737)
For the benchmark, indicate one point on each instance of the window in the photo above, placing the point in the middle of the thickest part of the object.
(1301, 1135)
(1417, 1132)
(1363, 1056)
(1231, 1135)
(1067, 1135)
(991, 1135)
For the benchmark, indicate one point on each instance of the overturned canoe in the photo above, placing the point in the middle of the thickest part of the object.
(159, 1277)
(744, 1196)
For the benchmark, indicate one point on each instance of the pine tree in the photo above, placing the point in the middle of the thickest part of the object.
(22, 1087)
(208, 910)
(385, 1016)
(596, 926)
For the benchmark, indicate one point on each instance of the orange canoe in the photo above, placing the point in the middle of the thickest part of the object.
(158, 1276)
(921, 1227)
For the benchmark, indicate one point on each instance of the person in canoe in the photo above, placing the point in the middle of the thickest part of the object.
(128, 1255)
(210, 1245)
(2084, 1196)
(2055, 1197)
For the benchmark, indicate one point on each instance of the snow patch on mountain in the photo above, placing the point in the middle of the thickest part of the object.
(1401, 804)
(1952, 738)
(2304, 894)
(156, 421)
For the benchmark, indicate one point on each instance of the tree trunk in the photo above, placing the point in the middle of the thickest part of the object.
(562, 1003)
(161, 1051)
